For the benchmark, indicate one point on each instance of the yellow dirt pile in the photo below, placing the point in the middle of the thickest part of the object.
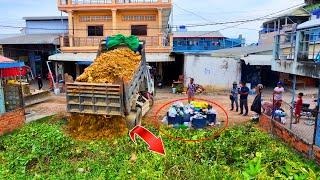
(110, 66)
(93, 127)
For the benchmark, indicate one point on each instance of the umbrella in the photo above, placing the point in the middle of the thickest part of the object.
(5, 59)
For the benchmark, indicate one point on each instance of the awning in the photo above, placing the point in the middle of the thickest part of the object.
(5, 59)
(159, 57)
(258, 60)
(32, 39)
(309, 24)
(11, 64)
(84, 62)
(74, 57)
(13, 72)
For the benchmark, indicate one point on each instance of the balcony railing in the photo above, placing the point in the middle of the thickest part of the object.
(151, 41)
(80, 2)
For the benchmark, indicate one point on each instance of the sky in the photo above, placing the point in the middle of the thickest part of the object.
(184, 12)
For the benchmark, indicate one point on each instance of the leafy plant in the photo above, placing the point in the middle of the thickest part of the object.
(41, 150)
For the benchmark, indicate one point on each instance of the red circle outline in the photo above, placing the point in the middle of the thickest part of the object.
(215, 135)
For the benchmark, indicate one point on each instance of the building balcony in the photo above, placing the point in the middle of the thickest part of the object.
(301, 68)
(91, 44)
(65, 5)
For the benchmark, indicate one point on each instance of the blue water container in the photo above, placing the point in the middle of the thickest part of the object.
(199, 123)
(212, 118)
(186, 118)
(175, 120)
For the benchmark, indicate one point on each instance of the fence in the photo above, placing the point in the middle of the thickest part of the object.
(299, 135)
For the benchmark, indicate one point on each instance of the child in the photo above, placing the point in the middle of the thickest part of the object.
(298, 108)
(191, 90)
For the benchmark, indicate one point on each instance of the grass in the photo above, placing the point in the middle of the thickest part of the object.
(41, 150)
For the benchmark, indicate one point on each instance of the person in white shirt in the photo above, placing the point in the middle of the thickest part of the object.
(278, 94)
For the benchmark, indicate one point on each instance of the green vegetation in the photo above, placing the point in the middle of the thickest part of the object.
(41, 150)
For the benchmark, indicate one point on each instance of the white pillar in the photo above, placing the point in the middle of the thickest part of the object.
(160, 27)
(71, 28)
(114, 21)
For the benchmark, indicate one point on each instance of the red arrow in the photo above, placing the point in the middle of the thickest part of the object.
(155, 143)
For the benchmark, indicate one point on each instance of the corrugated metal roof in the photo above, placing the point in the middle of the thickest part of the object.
(3, 36)
(239, 51)
(32, 39)
(300, 11)
(258, 60)
(74, 57)
(309, 24)
(177, 34)
(38, 18)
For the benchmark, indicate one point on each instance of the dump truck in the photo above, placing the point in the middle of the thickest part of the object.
(128, 99)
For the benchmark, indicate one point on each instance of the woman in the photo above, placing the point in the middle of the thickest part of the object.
(256, 105)
(191, 90)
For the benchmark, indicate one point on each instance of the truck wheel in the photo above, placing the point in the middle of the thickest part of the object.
(138, 116)
(134, 118)
(151, 102)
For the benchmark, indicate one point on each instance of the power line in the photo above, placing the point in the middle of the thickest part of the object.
(188, 25)
(256, 19)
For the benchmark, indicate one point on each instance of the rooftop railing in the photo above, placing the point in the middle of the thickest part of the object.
(80, 2)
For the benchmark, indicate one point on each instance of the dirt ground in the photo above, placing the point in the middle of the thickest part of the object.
(57, 105)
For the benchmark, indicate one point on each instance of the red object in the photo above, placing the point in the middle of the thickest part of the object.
(11, 72)
(155, 143)
(298, 108)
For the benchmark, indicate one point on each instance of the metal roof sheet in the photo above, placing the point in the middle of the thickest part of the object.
(38, 18)
(242, 51)
(32, 39)
(309, 24)
(177, 34)
(73, 57)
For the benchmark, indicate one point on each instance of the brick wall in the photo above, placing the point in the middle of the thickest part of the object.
(11, 120)
(316, 153)
(289, 137)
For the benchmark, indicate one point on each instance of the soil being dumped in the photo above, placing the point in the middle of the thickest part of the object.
(95, 127)
(108, 67)
(121, 63)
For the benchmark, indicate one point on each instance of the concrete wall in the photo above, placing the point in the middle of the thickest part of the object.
(46, 26)
(308, 69)
(212, 71)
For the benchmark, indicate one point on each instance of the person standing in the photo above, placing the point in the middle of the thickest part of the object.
(277, 94)
(244, 92)
(234, 97)
(256, 105)
(191, 90)
(39, 79)
(298, 108)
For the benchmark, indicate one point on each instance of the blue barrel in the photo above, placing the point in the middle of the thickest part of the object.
(199, 123)
(212, 118)
(175, 120)
(186, 118)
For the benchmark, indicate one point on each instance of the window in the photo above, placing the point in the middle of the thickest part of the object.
(95, 30)
(139, 30)
(95, 18)
(139, 18)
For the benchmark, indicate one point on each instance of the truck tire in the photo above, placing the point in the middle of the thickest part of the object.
(138, 116)
(134, 118)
